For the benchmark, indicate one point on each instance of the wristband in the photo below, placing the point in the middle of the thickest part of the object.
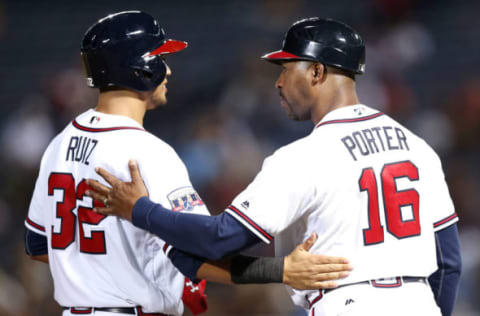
(245, 269)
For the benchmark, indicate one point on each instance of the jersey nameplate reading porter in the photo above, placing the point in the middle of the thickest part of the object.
(374, 140)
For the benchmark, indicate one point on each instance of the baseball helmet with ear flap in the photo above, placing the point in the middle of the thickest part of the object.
(327, 41)
(126, 50)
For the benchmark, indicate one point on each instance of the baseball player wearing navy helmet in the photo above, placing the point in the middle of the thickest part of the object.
(125, 50)
(371, 189)
(327, 41)
(104, 265)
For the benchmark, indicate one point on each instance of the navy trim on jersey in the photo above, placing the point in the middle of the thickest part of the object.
(211, 237)
(35, 244)
(35, 225)
(352, 120)
(251, 222)
(445, 220)
(98, 130)
(445, 280)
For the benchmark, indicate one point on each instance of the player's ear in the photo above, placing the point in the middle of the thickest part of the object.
(317, 73)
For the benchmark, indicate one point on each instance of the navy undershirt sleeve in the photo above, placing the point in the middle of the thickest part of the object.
(35, 244)
(186, 263)
(444, 281)
(210, 237)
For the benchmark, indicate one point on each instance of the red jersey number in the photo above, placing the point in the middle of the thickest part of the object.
(94, 243)
(394, 201)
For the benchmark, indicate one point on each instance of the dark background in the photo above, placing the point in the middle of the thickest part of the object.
(224, 116)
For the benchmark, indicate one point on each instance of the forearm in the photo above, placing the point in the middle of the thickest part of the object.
(238, 269)
(214, 236)
(216, 271)
(243, 270)
(300, 269)
(246, 270)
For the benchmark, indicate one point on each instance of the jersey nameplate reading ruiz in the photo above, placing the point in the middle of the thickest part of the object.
(374, 140)
(80, 148)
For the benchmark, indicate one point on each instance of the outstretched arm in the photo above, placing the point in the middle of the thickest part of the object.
(215, 237)
(300, 269)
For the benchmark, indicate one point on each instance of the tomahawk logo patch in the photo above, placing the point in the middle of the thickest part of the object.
(184, 199)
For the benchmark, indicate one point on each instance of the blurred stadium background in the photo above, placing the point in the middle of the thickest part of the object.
(224, 117)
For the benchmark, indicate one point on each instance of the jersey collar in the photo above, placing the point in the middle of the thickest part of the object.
(94, 121)
(346, 114)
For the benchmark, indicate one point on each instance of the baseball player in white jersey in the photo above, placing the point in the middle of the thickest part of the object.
(105, 265)
(366, 200)
(98, 261)
(126, 263)
(371, 189)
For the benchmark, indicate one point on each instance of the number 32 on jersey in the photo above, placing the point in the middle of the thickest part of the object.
(393, 202)
(92, 244)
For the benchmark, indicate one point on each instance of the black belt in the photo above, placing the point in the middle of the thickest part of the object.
(375, 283)
(121, 310)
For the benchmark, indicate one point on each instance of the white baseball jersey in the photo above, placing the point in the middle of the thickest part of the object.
(99, 261)
(373, 191)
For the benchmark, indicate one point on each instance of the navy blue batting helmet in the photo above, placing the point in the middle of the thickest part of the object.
(125, 50)
(327, 41)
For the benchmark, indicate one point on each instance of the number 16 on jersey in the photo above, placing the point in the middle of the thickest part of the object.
(393, 202)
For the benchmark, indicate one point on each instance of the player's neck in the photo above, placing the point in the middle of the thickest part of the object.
(122, 102)
(341, 95)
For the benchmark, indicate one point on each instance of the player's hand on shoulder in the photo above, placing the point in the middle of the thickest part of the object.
(306, 271)
(120, 198)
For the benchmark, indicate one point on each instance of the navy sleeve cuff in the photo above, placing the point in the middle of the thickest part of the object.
(35, 244)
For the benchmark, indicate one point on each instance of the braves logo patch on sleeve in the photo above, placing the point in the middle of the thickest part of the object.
(184, 199)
